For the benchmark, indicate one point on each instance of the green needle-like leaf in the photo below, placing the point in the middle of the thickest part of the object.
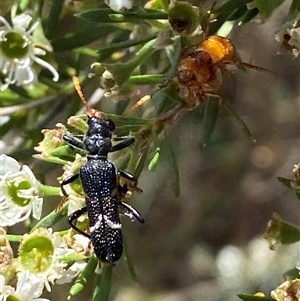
(126, 44)
(54, 15)
(103, 290)
(266, 7)
(247, 297)
(211, 111)
(82, 37)
(106, 15)
(52, 218)
(84, 277)
(175, 170)
(129, 262)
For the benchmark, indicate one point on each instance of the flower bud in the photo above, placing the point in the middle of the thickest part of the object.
(183, 17)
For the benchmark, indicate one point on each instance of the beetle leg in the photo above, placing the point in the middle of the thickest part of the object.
(127, 175)
(122, 144)
(74, 140)
(74, 216)
(66, 181)
(133, 211)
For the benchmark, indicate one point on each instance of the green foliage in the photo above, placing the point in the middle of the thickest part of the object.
(280, 231)
(295, 7)
(106, 15)
(267, 7)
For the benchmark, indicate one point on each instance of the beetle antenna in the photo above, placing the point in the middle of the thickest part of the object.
(79, 91)
(81, 96)
(90, 111)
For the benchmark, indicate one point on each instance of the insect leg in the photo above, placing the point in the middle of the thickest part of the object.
(122, 144)
(74, 140)
(127, 175)
(77, 136)
(133, 211)
(66, 181)
(129, 184)
(74, 217)
(122, 190)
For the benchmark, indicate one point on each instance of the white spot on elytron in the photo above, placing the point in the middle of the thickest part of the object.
(97, 224)
(110, 223)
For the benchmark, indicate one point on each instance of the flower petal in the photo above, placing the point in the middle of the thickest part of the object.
(8, 165)
(26, 76)
(37, 206)
(21, 21)
(16, 63)
(119, 5)
(48, 66)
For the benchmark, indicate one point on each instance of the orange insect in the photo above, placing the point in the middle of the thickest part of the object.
(200, 72)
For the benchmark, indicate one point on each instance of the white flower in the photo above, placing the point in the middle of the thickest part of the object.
(76, 197)
(296, 171)
(19, 191)
(119, 5)
(18, 52)
(59, 273)
(294, 41)
(72, 272)
(28, 288)
(290, 39)
(81, 244)
(3, 119)
(2, 146)
(5, 290)
(45, 255)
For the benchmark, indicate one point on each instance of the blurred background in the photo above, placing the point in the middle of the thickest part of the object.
(206, 243)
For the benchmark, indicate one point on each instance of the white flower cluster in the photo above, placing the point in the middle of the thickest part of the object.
(42, 255)
(19, 192)
(39, 265)
(18, 52)
(28, 288)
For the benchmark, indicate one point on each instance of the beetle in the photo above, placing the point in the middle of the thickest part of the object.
(200, 71)
(99, 178)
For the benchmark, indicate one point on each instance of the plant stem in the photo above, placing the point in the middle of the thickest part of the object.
(49, 190)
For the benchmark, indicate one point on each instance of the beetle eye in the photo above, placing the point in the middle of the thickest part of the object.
(203, 58)
(185, 76)
(111, 125)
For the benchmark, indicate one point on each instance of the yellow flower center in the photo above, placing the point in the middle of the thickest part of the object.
(12, 298)
(13, 190)
(37, 254)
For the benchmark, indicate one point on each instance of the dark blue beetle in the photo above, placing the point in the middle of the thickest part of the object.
(102, 190)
